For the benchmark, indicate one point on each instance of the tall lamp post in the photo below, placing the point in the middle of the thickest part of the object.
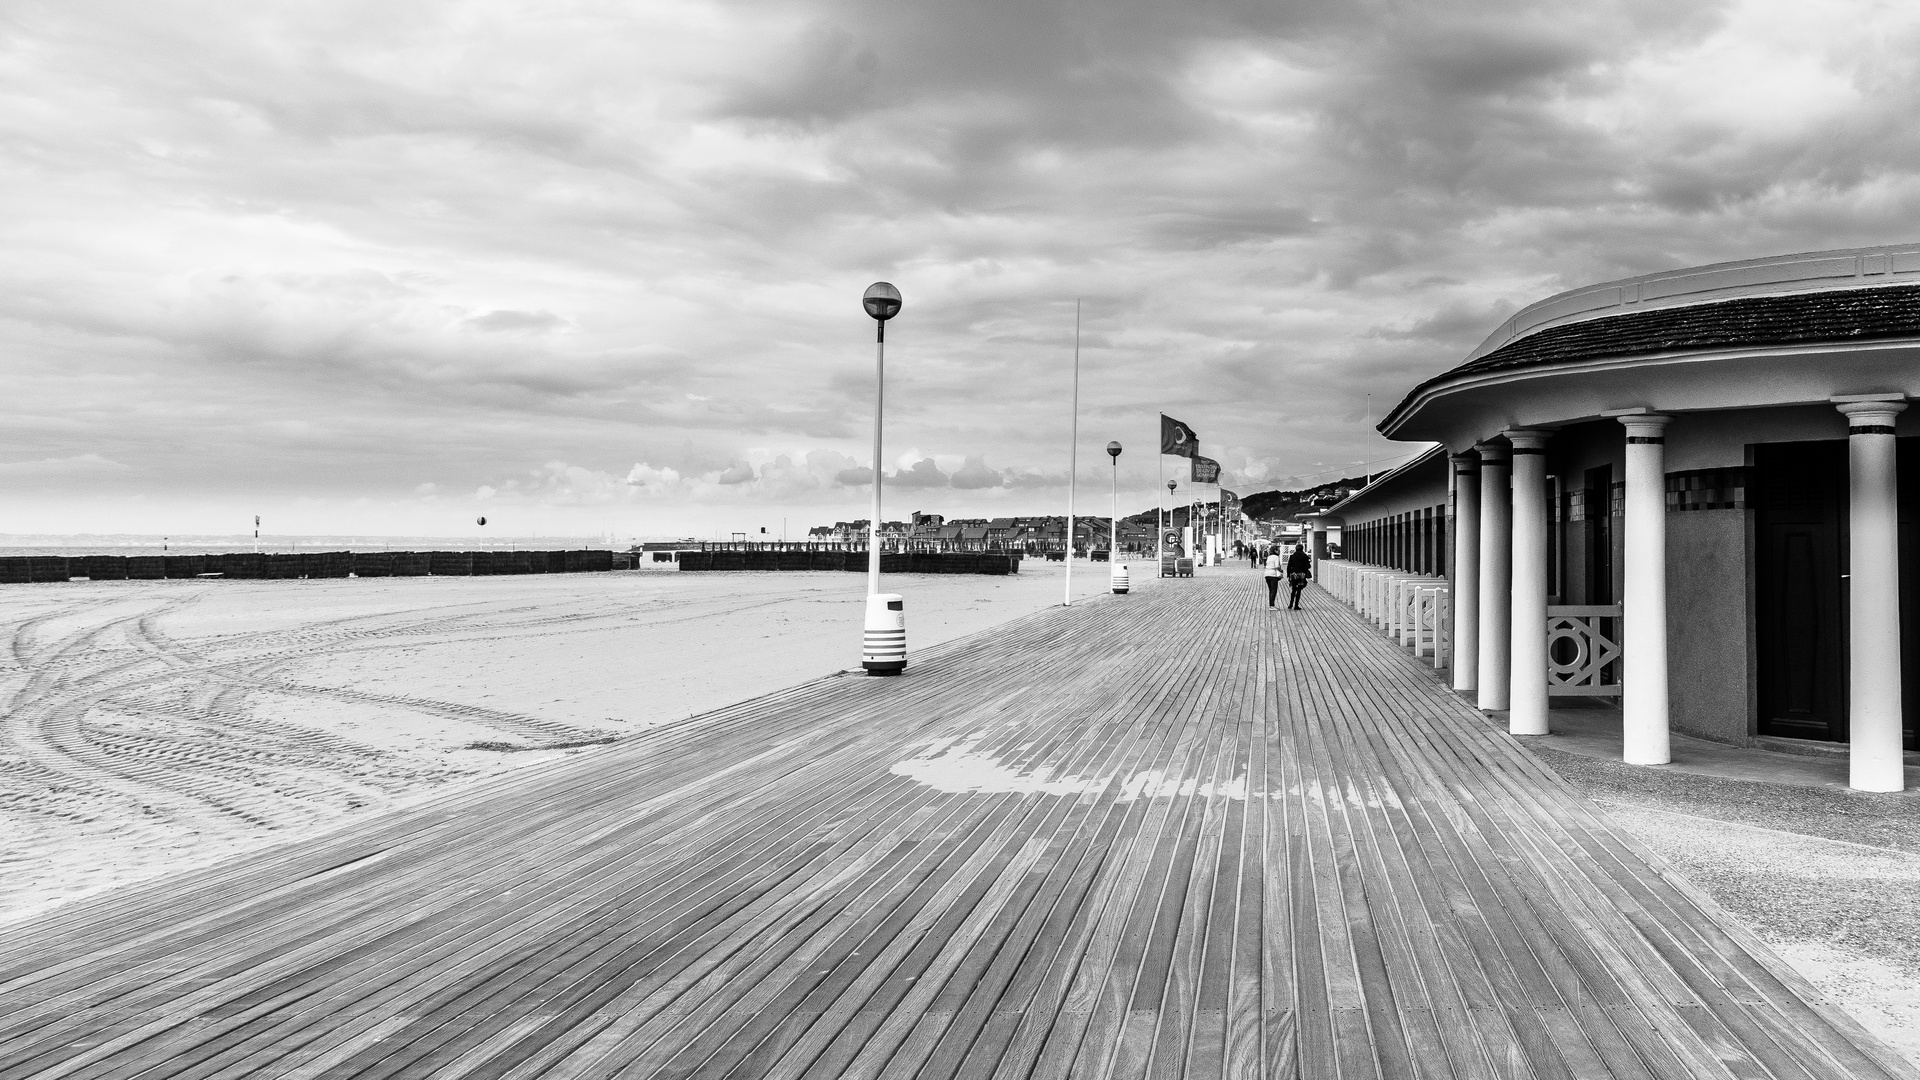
(885, 648)
(1073, 459)
(1116, 570)
(1171, 485)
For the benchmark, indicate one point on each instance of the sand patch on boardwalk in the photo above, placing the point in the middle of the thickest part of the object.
(159, 726)
(959, 766)
(1843, 914)
(1825, 876)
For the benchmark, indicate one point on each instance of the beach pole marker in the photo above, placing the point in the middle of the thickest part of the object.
(885, 648)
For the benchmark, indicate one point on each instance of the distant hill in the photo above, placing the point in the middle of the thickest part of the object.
(1288, 505)
(1275, 505)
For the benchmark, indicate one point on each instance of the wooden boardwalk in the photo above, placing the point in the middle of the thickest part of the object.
(1175, 834)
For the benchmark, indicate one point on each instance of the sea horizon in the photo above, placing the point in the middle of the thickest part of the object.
(74, 544)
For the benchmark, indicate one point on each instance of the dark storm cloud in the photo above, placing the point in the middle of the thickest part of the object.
(610, 256)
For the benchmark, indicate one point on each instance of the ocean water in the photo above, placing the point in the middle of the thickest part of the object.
(140, 544)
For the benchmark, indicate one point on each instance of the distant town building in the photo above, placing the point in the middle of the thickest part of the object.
(1031, 535)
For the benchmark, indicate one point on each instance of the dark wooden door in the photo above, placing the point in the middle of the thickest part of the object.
(1800, 499)
(1908, 464)
(1598, 507)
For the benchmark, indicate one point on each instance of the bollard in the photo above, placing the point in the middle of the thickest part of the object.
(885, 652)
(1119, 578)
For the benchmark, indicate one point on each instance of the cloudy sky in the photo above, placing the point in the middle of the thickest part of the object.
(588, 267)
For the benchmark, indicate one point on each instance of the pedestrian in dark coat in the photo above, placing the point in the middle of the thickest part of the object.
(1299, 572)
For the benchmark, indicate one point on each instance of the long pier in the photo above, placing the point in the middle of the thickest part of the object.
(1172, 834)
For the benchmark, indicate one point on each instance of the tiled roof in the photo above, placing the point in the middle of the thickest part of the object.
(1799, 318)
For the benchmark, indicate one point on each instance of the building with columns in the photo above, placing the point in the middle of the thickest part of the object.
(1693, 491)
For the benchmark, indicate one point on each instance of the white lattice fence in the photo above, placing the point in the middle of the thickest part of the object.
(1412, 609)
(1583, 650)
(1431, 612)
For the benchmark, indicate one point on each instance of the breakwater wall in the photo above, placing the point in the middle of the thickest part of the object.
(915, 562)
(318, 564)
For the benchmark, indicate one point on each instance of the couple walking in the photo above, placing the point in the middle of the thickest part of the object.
(1299, 569)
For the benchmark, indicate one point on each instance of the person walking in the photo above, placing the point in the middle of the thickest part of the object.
(1299, 572)
(1273, 576)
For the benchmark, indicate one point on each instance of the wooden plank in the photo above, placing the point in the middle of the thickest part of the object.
(1210, 840)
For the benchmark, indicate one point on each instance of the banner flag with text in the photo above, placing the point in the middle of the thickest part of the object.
(1205, 470)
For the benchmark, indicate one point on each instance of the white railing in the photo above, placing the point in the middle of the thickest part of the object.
(1431, 633)
(1412, 609)
(1583, 641)
(1583, 650)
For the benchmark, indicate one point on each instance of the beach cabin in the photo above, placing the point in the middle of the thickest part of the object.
(1694, 492)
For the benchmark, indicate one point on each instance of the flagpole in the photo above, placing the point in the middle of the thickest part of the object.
(1159, 525)
(1073, 455)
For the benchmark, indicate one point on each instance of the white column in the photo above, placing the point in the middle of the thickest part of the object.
(1643, 629)
(1527, 672)
(1873, 598)
(1496, 594)
(1465, 585)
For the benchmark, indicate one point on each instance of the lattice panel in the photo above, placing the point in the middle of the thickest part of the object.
(1583, 650)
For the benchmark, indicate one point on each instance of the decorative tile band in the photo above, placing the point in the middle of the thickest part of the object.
(1707, 489)
(1871, 429)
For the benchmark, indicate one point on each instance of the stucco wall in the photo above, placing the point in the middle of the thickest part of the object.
(1709, 624)
(1718, 440)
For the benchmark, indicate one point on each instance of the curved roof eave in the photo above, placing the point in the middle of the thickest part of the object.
(1830, 317)
(1839, 268)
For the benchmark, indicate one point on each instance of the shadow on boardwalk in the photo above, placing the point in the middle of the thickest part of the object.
(1171, 834)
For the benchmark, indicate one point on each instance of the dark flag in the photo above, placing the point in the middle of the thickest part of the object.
(1177, 438)
(1205, 470)
(1229, 504)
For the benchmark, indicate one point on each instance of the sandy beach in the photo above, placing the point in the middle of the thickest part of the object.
(157, 726)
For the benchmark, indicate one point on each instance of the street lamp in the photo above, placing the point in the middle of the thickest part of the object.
(1117, 570)
(1171, 484)
(885, 649)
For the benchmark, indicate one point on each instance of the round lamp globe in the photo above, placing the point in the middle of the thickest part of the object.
(882, 301)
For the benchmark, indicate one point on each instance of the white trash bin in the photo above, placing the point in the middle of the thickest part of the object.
(885, 651)
(1120, 581)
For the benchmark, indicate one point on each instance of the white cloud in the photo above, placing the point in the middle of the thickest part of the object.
(60, 468)
(283, 253)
